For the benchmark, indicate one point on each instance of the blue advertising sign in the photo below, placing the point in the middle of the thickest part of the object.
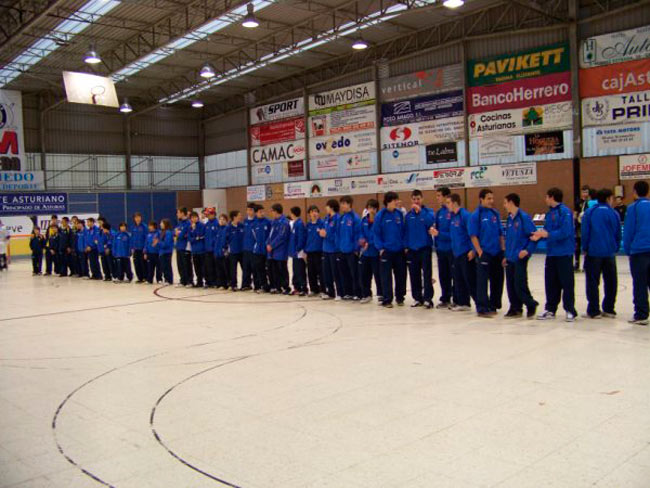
(421, 109)
(33, 203)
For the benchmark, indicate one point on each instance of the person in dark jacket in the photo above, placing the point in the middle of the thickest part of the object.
(369, 255)
(444, 255)
(601, 240)
(329, 266)
(80, 246)
(388, 232)
(50, 257)
(464, 255)
(165, 251)
(261, 230)
(92, 235)
(418, 243)
(65, 249)
(37, 244)
(182, 246)
(297, 242)
(636, 242)
(247, 247)
(138, 233)
(620, 208)
(277, 247)
(209, 263)
(347, 235)
(53, 243)
(220, 252)
(105, 247)
(197, 248)
(314, 250)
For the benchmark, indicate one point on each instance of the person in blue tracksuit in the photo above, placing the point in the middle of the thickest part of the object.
(165, 251)
(183, 251)
(261, 230)
(369, 255)
(464, 255)
(80, 245)
(636, 242)
(247, 249)
(151, 253)
(519, 248)
(559, 233)
(329, 266)
(314, 250)
(121, 248)
(601, 240)
(235, 246)
(92, 235)
(220, 251)
(297, 242)
(138, 233)
(65, 248)
(418, 243)
(52, 248)
(388, 232)
(347, 235)
(37, 244)
(209, 261)
(197, 247)
(445, 257)
(277, 248)
(105, 248)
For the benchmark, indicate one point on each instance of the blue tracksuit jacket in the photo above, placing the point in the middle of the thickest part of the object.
(331, 225)
(138, 236)
(279, 239)
(459, 230)
(298, 238)
(368, 236)
(485, 223)
(314, 240)
(561, 233)
(417, 225)
(636, 236)
(601, 231)
(443, 225)
(121, 245)
(197, 238)
(518, 231)
(348, 232)
(389, 230)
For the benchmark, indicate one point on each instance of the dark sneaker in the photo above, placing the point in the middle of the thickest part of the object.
(485, 315)
(416, 304)
(532, 311)
(387, 305)
(638, 321)
(428, 305)
(513, 314)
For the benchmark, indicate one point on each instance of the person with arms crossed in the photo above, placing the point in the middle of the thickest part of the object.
(418, 243)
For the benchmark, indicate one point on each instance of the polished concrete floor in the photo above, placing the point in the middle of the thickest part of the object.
(135, 386)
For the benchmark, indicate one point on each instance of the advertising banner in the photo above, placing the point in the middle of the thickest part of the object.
(420, 83)
(407, 157)
(540, 90)
(616, 109)
(496, 147)
(33, 203)
(279, 131)
(294, 169)
(619, 137)
(537, 143)
(353, 142)
(22, 180)
(12, 142)
(278, 110)
(451, 178)
(616, 47)
(524, 64)
(341, 98)
(534, 118)
(420, 133)
(614, 79)
(326, 167)
(502, 175)
(343, 121)
(356, 162)
(431, 107)
(273, 153)
(444, 152)
(255, 193)
(634, 167)
(266, 173)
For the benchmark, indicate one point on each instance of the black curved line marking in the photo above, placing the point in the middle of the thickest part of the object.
(91, 309)
(53, 358)
(192, 298)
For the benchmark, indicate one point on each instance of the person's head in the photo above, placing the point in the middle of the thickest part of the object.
(54, 219)
(123, 227)
(511, 203)
(223, 219)
(55, 229)
(90, 222)
(584, 192)
(295, 213)
(332, 206)
(453, 202)
(181, 213)
(259, 211)
(313, 212)
(391, 199)
(592, 194)
(605, 195)
(250, 210)
(100, 221)
(346, 203)
(276, 210)
(210, 213)
(554, 196)
(74, 220)
(486, 198)
(36, 231)
(80, 224)
(641, 189)
(417, 198)
(235, 216)
(442, 194)
(152, 226)
(64, 222)
(106, 228)
(618, 199)
(372, 206)
(166, 224)
(194, 217)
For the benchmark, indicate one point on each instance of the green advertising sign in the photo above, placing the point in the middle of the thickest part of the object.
(525, 64)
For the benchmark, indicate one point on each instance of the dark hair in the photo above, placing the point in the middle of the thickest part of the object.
(194, 214)
(137, 214)
(556, 194)
(233, 214)
(390, 197)
(251, 205)
(333, 204)
(312, 208)
(513, 198)
(444, 191)
(372, 203)
(122, 224)
(182, 210)
(277, 208)
(225, 216)
(455, 198)
(90, 219)
(416, 193)
(75, 217)
(36, 227)
(81, 221)
(641, 188)
(259, 207)
(584, 187)
(592, 193)
(64, 219)
(101, 218)
(106, 226)
(166, 224)
(603, 194)
(346, 199)
(54, 217)
(152, 223)
(484, 193)
(295, 211)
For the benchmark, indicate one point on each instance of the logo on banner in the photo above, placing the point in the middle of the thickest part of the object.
(400, 108)
(400, 134)
(533, 116)
(597, 109)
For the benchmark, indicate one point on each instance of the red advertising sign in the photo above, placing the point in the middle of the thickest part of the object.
(540, 90)
(295, 169)
(614, 79)
(280, 131)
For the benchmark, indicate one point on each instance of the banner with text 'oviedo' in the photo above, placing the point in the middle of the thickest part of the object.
(465, 177)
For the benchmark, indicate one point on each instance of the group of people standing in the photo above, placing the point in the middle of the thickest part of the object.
(339, 255)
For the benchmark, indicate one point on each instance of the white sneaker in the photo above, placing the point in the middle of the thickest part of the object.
(365, 300)
(638, 321)
(546, 315)
(178, 285)
(570, 317)
(338, 299)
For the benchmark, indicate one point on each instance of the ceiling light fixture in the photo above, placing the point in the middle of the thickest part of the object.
(91, 57)
(126, 107)
(453, 3)
(250, 21)
(197, 104)
(359, 44)
(207, 71)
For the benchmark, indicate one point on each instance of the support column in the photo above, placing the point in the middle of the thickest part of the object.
(305, 103)
(463, 60)
(249, 170)
(201, 153)
(41, 134)
(575, 94)
(127, 151)
(375, 78)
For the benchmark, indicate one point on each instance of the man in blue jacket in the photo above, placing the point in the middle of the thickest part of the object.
(197, 247)
(443, 248)
(601, 239)
(138, 237)
(418, 244)
(249, 243)
(559, 233)
(636, 242)
(182, 246)
(388, 231)
(297, 242)
(261, 231)
(121, 250)
(519, 248)
(464, 255)
(91, 240)
(209, 260)
(486, 232)
(348, 235)
(328, 233)
(314, 250)
(369, 255)
(277, 247)
(235, 246)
